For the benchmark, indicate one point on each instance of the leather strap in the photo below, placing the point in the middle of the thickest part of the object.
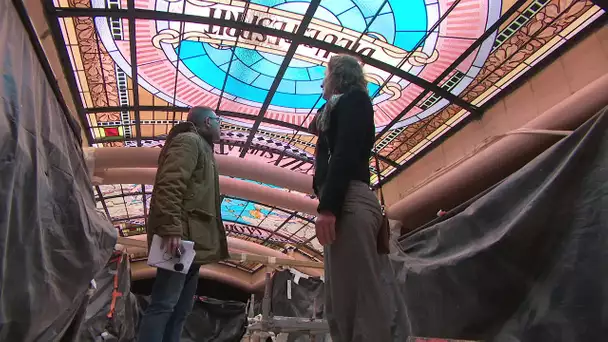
(379, 185)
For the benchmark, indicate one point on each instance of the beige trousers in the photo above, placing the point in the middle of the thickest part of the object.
(363, 302)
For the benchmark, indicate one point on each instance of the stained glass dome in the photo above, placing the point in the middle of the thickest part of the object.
(138, 65)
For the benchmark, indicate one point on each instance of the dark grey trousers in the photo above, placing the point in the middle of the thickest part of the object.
(363, 302)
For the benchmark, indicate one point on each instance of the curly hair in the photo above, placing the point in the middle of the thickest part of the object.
(345, 74)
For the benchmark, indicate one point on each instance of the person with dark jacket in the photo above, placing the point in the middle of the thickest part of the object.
(185, 205)
(361, 296)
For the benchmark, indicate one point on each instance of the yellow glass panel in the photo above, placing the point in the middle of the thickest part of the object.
(146, 115)
(160, 102)
(98, 133)
(453, 119)
(147, 130)
(87, 100)
(145, 97)
(437, 132)
(485, 95)
(161, 129)
(93, 120)
(424, 143)
(76, 57)
(71, 31)
(403, 158)
(83, 81)
(160, 115)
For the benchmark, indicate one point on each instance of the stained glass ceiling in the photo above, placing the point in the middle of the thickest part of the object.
(136, 66)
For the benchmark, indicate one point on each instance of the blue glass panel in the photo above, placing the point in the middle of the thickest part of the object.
(353, 20)
(408, 40)
(317, 72)
(296, 74)
(294, 101)
(369, 7)
(244, 90)
(372, 88)
(269, 3)
(219, 56)
(384, 25)
(187, 51)
(278, 59)
(323, 13)
(287, 86)
(336, 6)
(232, 208)
(311, 87)
(247, 56)
(242, 72)
(266, 67)
(253, 214)
(263, 82)
(411, 15)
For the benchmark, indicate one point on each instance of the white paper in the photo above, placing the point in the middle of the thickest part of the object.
(161, 259)
(288, 289)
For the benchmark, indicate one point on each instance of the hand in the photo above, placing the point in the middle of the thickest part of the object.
(325, 227)
(170, 244)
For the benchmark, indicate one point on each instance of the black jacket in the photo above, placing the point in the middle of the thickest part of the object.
(349, 141)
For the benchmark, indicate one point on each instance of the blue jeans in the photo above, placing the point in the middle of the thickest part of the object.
(172, 300)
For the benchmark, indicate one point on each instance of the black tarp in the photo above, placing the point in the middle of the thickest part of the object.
(527, 261)
(114, 312)
(213, 320)
(52, 240)
(297, 295)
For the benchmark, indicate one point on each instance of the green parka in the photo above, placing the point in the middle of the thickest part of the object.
(186, 197)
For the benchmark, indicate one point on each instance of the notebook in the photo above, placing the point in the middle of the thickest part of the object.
(158, 257)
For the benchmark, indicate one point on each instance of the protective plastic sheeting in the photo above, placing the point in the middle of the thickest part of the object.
(213, 320)
(113, 312)
(524, 262)
(52, 240)
(297, 295)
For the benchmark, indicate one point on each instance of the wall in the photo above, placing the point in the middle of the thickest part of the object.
(582, 64)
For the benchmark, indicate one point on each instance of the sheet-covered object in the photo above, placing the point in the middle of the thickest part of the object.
(113, 312)
(213, 320)
(297, 295)
(527, 261)
(52, 240)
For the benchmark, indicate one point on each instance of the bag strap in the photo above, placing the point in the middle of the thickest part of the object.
(379, 185)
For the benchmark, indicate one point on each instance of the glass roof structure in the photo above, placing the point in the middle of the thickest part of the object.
(136, 66)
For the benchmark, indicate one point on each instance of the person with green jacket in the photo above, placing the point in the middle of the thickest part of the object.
(185, 205)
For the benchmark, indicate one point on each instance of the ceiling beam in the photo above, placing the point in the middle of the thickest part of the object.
(310, 12)
(134, 74)
(299, 37)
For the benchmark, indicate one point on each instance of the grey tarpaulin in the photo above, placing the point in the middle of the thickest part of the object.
(113, 312)
(213, 320)
(52, 240)
(297, 295)
(527, 261)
